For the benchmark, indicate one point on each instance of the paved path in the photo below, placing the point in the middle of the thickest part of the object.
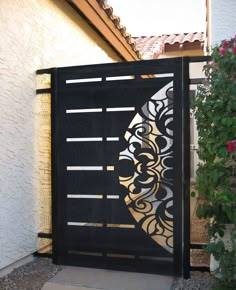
(77, 278)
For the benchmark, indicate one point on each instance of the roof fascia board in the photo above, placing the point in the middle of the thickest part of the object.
(93, 12)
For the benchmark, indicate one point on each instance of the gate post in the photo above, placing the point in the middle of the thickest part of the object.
(54, 166)
(186, 167)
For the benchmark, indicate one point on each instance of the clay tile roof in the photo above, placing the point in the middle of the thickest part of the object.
(116, 20)
(152, 46)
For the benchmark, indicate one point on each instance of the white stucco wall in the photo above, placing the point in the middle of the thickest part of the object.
(34, 34)
(223, 20)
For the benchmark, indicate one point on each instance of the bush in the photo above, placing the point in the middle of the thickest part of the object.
(215, 112)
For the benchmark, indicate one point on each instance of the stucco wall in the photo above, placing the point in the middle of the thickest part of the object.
(223, 20)
(195, 52)
(34, 34)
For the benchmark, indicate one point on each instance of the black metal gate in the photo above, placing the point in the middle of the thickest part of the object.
(120, 166)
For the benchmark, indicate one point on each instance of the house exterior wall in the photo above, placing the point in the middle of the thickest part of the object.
(180, 53)
(222, 19)
(34, 34)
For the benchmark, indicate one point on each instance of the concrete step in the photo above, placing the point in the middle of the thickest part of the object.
(79, 278)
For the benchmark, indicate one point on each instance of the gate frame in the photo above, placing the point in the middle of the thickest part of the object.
(183, 157)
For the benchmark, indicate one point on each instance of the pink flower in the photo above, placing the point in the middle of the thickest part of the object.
(222, 51)
(234, 49)
(231, 146)
(225, 43)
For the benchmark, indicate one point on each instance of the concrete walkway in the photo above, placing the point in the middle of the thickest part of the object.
(77, 278)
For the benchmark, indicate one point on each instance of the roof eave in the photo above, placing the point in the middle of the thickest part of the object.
(101, 22)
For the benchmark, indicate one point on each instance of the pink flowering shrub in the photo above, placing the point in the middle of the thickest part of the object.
(231, 145)
(228, 46)
(215, 112)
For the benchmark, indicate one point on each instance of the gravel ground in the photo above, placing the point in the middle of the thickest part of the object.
(32, 275)
(198, 281)
(36, 273)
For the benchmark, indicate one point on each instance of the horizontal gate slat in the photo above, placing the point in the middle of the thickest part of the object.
(104, 97)
(85, 210)
(83, 125)
(93, 152)
(99, 211)
(117, 123)
(86, 126)
(118, 263)
(91, 182)
(90, 249)
(131, 265)
(84, 153)
(123, 241)
(104, 70)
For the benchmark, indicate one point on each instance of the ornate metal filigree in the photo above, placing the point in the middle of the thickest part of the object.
(148, 168)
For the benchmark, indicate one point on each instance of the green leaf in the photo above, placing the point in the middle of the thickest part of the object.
(231, 214)
(221, 233)
(199, 212)
(193, 194)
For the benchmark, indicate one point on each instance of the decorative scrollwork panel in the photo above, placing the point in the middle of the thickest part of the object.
(147, 167)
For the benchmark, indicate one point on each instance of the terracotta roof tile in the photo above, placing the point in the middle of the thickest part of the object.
(116, 20)
(152, 46)
(149, 47)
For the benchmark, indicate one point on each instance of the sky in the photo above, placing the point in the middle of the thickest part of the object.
(156, 17)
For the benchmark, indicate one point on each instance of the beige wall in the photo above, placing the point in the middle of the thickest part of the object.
(34, 34)
(181, 53)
